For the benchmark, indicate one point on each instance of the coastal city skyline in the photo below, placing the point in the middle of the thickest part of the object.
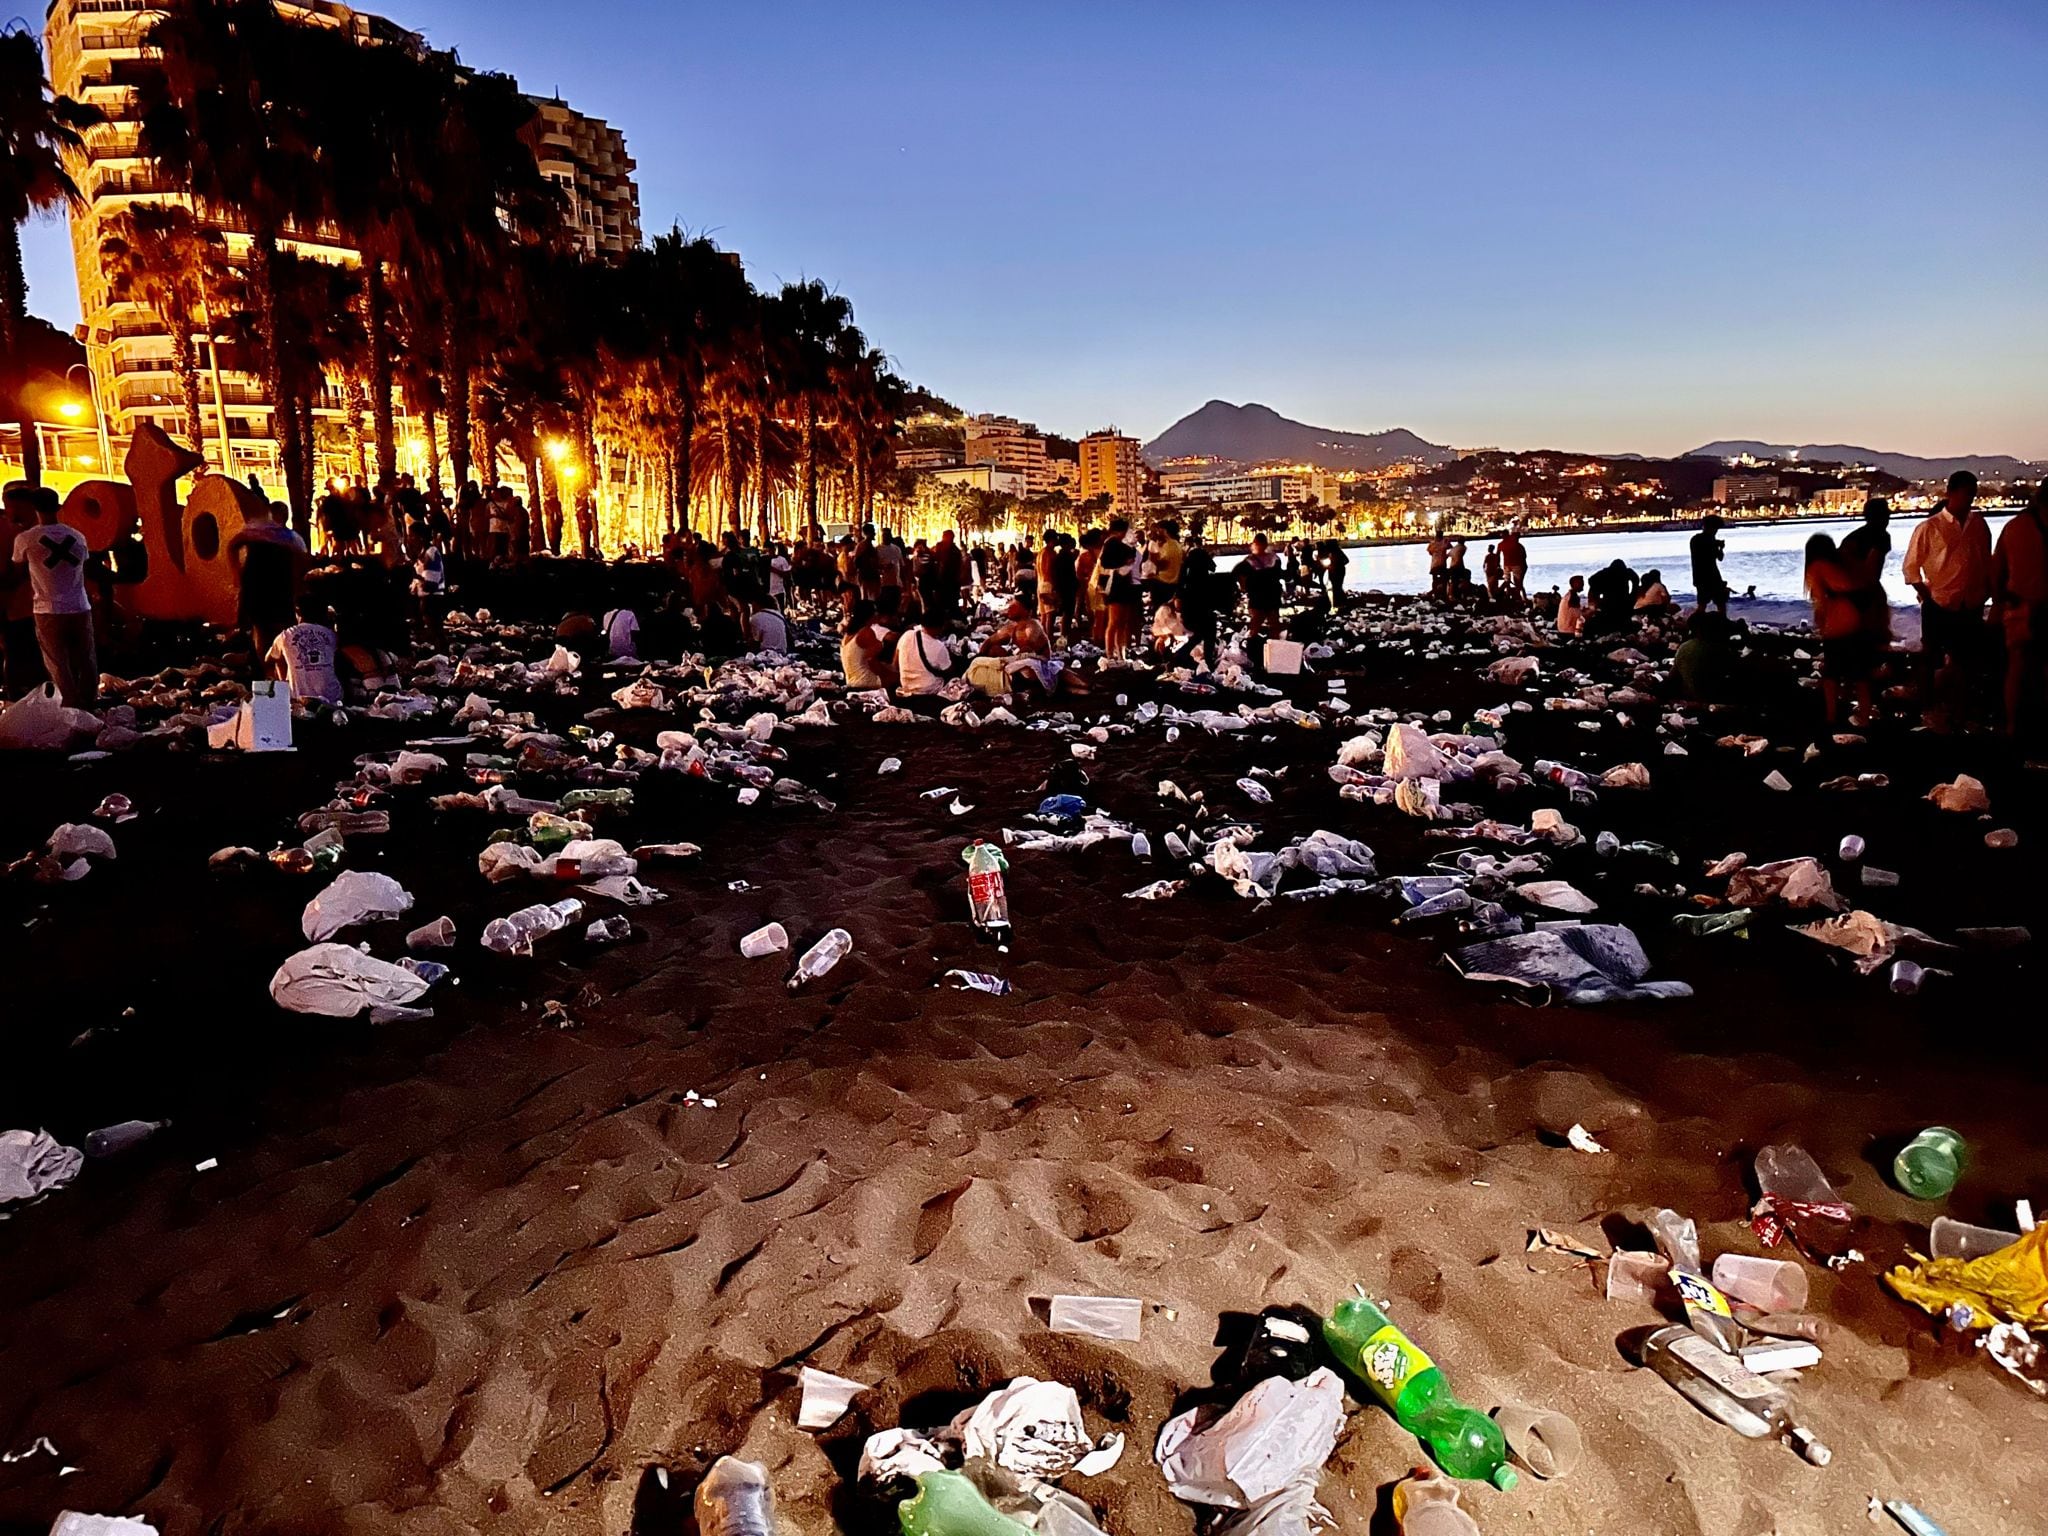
(1493, 270)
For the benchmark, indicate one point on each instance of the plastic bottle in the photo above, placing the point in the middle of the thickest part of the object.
(735, 1500)
(1724, 1388)
(1928, 1166)
(1427, 1505)
(111, 1139)
(514, 934)
(1563, 775)
(1606, 844)
(821, 957)
(1442, 904)
(549, 832)
(606, 799)
(988, 904)
(1705, 924)
(1770, 1285)
(947, 1504)
(429, 971)
(1465, 1442)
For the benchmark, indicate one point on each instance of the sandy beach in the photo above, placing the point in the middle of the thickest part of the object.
(488, 1273)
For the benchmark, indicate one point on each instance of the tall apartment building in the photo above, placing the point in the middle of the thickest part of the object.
(1012, 444)
(1110, 466)
(95, 52)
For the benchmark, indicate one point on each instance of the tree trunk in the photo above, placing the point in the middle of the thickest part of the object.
(220, 398)
(810, 463)
(185, 362)
(432, 428)
(547, 496)
(284, 420)
(731, 468)
(679, 486)
(13, 378)
(761, 486)
(457, 390)
(377, 303)
(356, 393)
(487, 443)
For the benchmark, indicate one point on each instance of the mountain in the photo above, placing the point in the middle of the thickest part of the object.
(1907, 466)
(1258, 434)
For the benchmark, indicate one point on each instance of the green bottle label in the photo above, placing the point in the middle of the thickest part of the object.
(1390, 1360)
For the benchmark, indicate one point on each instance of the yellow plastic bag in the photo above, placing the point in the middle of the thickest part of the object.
(2011, 1284)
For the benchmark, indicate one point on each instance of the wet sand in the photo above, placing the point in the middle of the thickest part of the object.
(478, 1273)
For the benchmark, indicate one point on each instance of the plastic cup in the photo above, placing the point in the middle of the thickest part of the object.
(1769, 1285)
(765, 941)
(438, 934)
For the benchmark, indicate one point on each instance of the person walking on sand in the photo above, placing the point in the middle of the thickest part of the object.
(2019, 595)
(1948, 562)
(1709, 586)
(1263, 579)
(51, 557)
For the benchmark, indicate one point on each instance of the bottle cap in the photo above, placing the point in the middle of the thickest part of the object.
(1505, 1478)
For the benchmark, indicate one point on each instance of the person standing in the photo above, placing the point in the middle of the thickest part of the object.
(24, 662)
(1571, 608)
(1264, 580)
(1847, 651)
(54, 554)
(1709, 586)
(1514, 563)
(1948, 562)
(1116, 573)
(270, 563)
(2019, 595)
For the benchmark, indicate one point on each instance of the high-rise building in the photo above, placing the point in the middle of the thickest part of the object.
(587, 158)
(1012, 444)
(96, 55)
(1110, 466)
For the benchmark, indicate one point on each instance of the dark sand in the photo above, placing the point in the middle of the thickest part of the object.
(477, 1274)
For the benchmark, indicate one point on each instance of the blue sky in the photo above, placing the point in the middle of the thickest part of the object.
(1623, 226)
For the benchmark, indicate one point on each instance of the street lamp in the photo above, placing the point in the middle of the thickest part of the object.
(71, 411)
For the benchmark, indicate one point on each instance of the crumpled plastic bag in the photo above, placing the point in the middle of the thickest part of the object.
(1626, 776)
(33, 1163)
(892, 1453)
(1865, 935)
(339, 982)
(1412, 755)
(1030, 1426)
(75, 840)
(1583, 964)
(1798, 883)
(625, 889)
(1330, 855)
(1289, 1510)
(356, 896)
(1250, 874)
(1359, 751)
(1274, 1433)
(1513, 670)
(38, 721)
(2011, 1284)
(1556, 895)
(1419, 797)
(507, 861)
(72, 1523)
(1964, 795)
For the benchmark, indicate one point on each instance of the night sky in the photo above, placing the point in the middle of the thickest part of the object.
(1596, 226)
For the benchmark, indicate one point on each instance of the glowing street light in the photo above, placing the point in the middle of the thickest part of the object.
(71, 410)
(558, 450)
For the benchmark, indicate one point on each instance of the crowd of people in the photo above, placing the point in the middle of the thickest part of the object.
(393, 561)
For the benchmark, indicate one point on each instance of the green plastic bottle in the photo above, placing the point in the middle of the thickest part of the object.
(947, 1504)
(1733, 920)
(1928, 1166)
(620, 799)
(1465, 1442)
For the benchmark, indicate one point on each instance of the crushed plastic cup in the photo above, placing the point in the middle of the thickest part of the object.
(1769, 1285)
(439, 934)
(1946, 1239)
(770, 940)
(1633, 1276)
(608, 930)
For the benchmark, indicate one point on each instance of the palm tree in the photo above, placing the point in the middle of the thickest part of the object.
(37, 129)
(161, 257)
(229, 113)
(813, 322)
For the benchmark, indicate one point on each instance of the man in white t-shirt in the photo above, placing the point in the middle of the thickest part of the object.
(923, 659)
(303, 656)
(622, 634)
(54, 554)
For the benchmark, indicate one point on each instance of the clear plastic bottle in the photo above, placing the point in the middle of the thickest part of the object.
(988, 904)
(1563, 775)
(821, 957)
(1724, 1388)
(1928, 1166)
(514, 933)
(1443, 904)
(735, 1499)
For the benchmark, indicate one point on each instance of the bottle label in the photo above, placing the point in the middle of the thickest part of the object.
(1724, 1371)
(1390, 1361)
(1698, 1291)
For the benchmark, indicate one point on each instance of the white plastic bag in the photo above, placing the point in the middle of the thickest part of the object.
(34, 1163)
(38, 721)
(1270, 1436)
(356, 896)
(339, 982)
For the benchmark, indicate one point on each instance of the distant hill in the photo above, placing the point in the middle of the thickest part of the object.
(1907, 466)
(1256, 434)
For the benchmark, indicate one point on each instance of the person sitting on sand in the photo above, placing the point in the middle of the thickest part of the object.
(768, 629)
(1613, 590)
(303, 655)
(1571, 608)
(1653, 598)
(866, 648)
(1705, 659)
(924, 657)
(1024, 647)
